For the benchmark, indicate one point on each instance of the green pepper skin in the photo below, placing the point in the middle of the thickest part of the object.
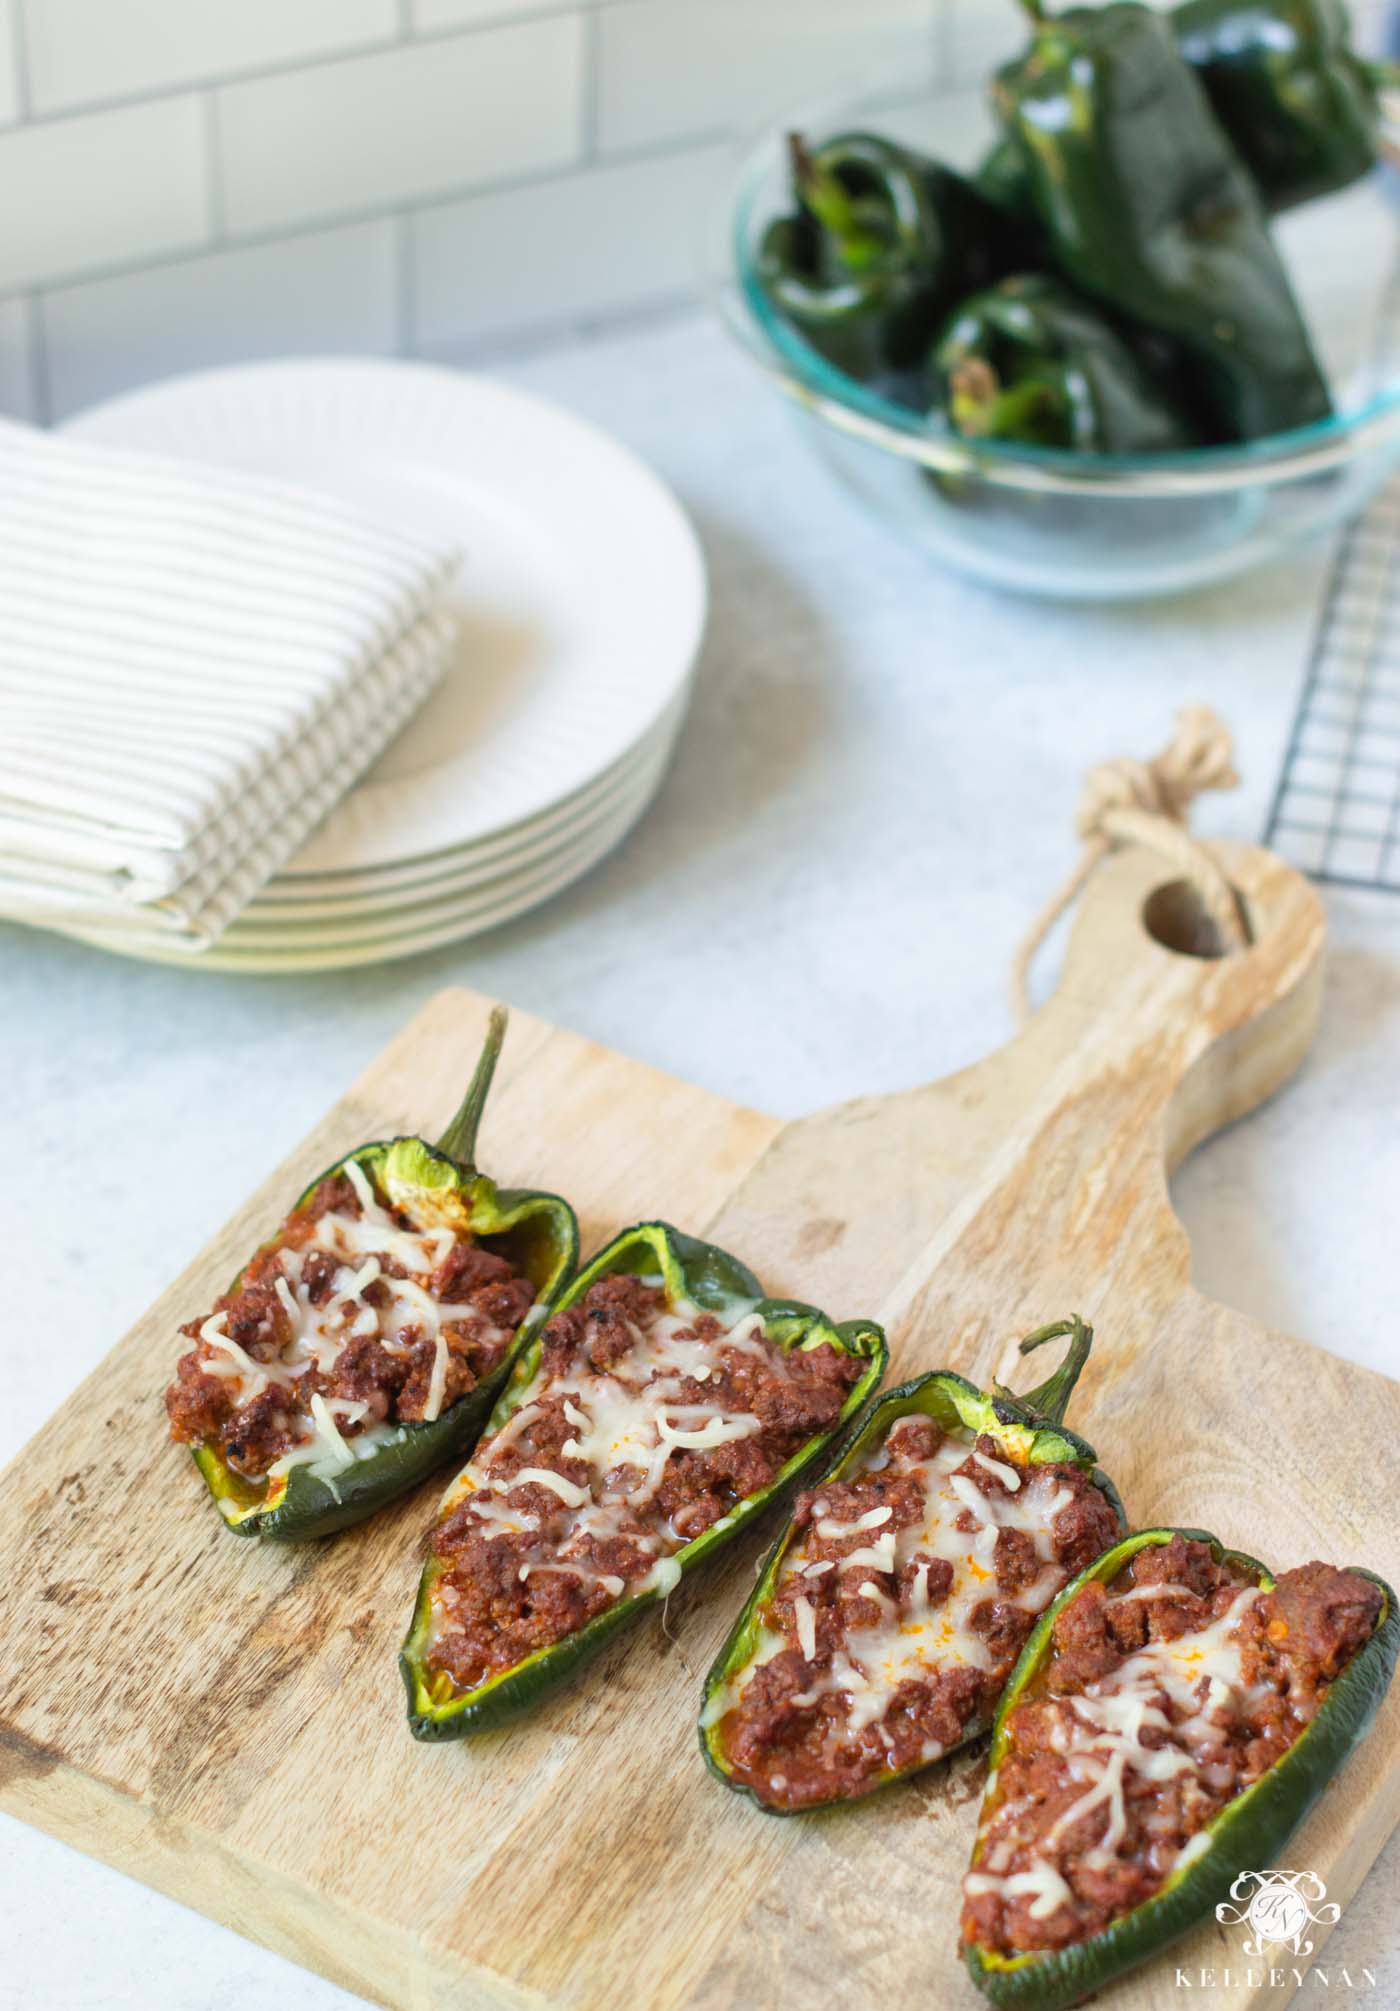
(858, 323)
(1249, 1833)
(1033, 362)
(1300, 105)
(710, 1278)
(1028, 1427)
(1002, 178)
(538, 1232)
(881, 243)
(1151, 211)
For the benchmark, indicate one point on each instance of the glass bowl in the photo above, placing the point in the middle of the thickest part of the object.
(1085, 526)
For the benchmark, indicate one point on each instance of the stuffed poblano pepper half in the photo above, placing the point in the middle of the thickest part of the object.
(1151, 211)
(879, 245)
(665, 1404)
(894, 1604)
(1034, 363)
(1174, 1716)
(362, 1346)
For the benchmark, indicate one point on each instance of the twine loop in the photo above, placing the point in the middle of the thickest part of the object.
(1130, 802)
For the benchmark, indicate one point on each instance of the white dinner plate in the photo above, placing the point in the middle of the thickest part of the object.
(307, 896)
(563, 859)
(581, 597)
(443, 913)
(430, 926)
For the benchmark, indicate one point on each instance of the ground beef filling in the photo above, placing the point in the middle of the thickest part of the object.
(1163, 1698)
(386, 1335)
(643, 1426)
(901, 1608)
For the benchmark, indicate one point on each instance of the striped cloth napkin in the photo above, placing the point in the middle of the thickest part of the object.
(195, 665)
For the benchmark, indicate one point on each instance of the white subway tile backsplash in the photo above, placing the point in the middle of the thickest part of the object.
(330, 293)
(377, 130)
(956, 127)
(83, 50)
(616, 237)
(985, 34)
(672, 69)
(188, 182)
(9, 77)
(100, 190)
(16, 361)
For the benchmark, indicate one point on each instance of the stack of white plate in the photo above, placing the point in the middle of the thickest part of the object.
(581, 604)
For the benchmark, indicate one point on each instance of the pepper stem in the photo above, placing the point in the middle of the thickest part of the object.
(982, 408)
(459, 1139)
(818, 189)
(973, 391)
(823, 194)
(1049, 1399)
(1035, 9)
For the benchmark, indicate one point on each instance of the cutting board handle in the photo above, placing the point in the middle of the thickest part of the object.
(1046, 1164)
(1173, 1035)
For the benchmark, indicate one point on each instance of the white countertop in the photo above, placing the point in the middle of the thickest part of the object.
(873, 795)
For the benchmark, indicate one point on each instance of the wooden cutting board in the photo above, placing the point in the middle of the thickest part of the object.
(225, 1721)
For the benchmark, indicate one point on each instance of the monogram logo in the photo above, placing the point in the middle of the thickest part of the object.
(1278, 1907)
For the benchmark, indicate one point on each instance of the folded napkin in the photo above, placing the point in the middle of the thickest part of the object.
(195, 665)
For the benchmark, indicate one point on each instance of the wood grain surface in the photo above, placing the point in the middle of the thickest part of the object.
(225, 1721)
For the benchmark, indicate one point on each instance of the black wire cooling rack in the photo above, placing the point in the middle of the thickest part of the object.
(1336, 811)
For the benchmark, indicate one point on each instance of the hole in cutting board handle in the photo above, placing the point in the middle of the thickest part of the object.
(1175, 917)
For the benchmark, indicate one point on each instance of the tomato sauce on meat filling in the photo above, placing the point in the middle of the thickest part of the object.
(354, 1320)
(1164, 1696)
(901, 1607)
(643, 1426)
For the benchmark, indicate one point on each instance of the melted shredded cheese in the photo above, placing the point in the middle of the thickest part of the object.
(627, 1423)
(918, 1636)
(374, 1232)
(254, 1377)
(1043, 1880)
(806, 1627)
(319, 1334)
(437, 1385)
(1178, 1691)
(1007, 1475)
(568, 1491)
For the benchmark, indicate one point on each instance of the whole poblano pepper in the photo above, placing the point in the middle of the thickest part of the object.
(438, 1184)
(880, 244)
(1302, 107)
(1032, 361)
(1151, 211)
(1248, 1834)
